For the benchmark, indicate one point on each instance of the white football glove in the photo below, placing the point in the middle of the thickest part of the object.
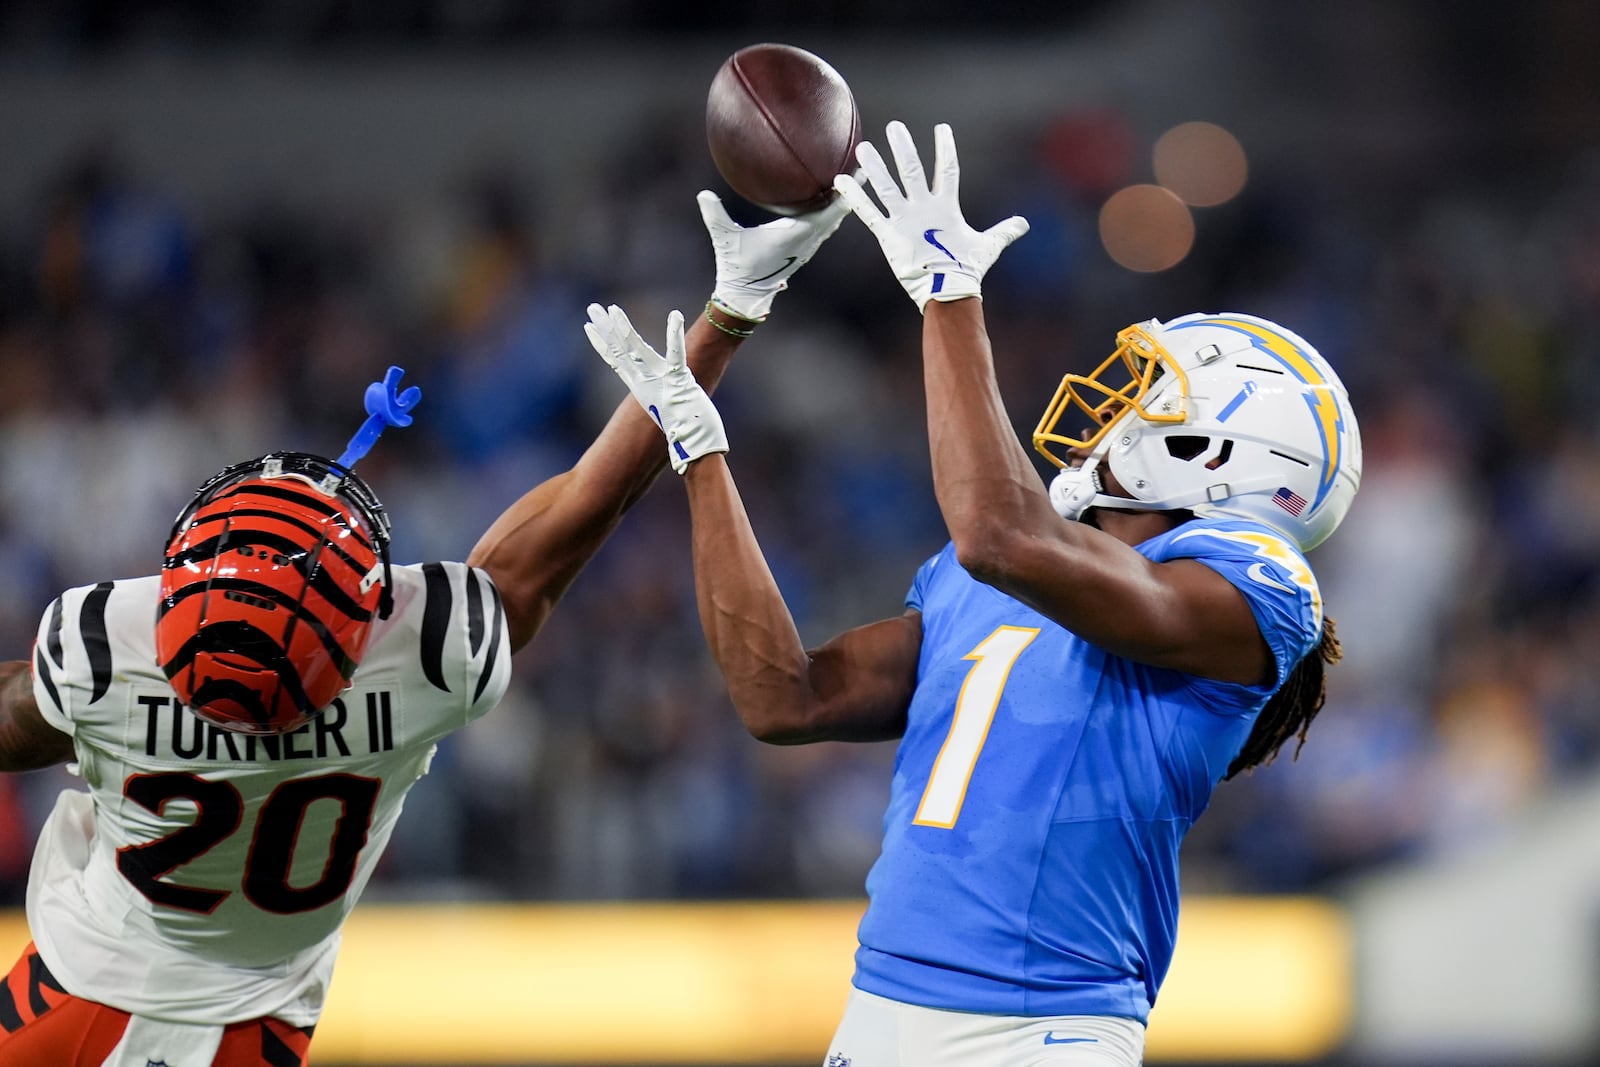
(754, 264)
(927, 242)
(663, 386)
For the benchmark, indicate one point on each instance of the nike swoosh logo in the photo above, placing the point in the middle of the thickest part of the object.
(928, 236)
(786, 265)
(1052, 1039)
(1258, 572)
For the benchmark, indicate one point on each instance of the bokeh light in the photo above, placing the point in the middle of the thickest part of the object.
(1201, 162)
(1146, 228)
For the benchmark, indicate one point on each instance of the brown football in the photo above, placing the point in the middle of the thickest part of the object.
(781, 123)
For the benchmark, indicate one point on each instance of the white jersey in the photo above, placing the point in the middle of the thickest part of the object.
(205, 876)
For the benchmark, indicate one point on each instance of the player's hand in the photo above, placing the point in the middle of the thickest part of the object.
(755, 263)
(663, 385)
(927, 242)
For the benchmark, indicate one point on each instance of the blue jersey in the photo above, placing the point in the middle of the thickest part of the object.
(1043, 786)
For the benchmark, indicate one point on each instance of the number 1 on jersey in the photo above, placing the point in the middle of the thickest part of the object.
(969, 727)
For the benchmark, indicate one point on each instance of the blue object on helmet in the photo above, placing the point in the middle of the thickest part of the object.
(386, 406)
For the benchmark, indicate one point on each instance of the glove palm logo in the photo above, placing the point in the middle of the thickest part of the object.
(929, 237)
(787, 263)
(938, 278)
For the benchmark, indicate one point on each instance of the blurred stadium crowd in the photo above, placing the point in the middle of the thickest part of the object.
(145, 343)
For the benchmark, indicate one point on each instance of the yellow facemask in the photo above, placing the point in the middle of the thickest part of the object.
(1139, 364)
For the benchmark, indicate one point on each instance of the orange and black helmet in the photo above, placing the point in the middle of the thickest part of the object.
(273, 577)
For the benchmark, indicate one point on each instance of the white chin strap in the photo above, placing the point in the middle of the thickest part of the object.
(1075, 490)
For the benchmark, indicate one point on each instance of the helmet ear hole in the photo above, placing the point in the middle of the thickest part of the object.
(1188, 447)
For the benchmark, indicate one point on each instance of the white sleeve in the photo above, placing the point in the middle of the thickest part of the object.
(92, 642)
(48, 670)
(72, 655)
(466, 646)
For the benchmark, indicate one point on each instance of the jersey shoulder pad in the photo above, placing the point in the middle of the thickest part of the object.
(89, 636)
(449, 625)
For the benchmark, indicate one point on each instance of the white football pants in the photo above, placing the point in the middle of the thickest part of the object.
(878, 1032)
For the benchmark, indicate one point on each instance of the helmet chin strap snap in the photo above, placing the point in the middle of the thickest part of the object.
(1074, 489)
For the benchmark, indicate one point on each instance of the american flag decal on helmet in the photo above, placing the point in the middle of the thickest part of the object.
(1289, 500)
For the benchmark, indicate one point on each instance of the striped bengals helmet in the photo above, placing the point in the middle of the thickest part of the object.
(273, 576)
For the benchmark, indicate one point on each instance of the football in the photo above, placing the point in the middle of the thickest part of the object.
(781, 123)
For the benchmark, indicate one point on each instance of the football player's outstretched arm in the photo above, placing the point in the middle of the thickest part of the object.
(538, 545)
(854, 688)
(1181, 615)
(536, 548)
(27, 741)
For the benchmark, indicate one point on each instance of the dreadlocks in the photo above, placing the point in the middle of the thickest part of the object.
(1290, 710)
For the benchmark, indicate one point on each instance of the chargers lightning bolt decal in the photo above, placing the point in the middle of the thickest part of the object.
(1275, 550)
(1320, 400)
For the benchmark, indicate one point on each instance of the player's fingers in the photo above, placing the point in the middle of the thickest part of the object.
(632, 345)
(827, 218)
(1006, 231)
(601, 344)
(712, 213)
(856, 199)
(782, 229)
(619, 322)
(876, 172)
(906, 158)
(676, 354)
(598, 330)
(821, 223)
(946, 167)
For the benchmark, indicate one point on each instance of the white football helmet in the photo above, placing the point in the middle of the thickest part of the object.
(1226, 415)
